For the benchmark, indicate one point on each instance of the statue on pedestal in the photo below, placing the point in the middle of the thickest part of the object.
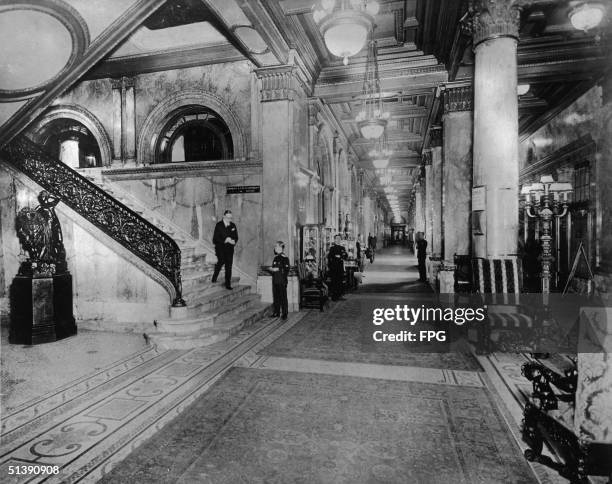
(41, 293)
(40, 235)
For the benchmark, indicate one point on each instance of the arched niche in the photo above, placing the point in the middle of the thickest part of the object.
(40, 131)
(157, 121)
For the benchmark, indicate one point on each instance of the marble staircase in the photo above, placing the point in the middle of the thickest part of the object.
(213, 313)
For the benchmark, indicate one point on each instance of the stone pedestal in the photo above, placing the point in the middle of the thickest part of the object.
(41, 309)
(446, 278)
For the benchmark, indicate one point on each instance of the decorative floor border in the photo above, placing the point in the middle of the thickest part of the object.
(90, 425)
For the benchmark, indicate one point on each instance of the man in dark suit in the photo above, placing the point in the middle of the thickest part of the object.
(421, 246)
(225, 238)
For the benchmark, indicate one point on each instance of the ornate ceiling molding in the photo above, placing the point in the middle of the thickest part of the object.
(70, 19)
(97, 50)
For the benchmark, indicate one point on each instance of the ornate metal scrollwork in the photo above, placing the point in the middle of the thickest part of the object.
(116, 220)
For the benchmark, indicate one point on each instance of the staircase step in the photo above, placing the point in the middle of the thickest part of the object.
(208, 336)
(206, 319)
(116, 326)
(215, 297)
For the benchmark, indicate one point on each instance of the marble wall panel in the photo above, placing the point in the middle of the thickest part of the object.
(196, 204)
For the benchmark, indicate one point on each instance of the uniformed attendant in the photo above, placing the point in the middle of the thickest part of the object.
(225, 238)
(335, 262)
(280, 271)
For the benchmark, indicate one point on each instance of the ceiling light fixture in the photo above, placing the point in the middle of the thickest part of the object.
(522, 89)
(372, 119)
(586, 16)
(345, 24)
(381, 153)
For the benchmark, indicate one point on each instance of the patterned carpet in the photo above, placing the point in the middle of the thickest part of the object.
(344, 333)
(282, 427)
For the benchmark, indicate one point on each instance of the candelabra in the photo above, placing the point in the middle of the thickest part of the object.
(546, 200)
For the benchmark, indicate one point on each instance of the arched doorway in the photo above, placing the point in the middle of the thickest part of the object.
(194, 133)
(71, 142)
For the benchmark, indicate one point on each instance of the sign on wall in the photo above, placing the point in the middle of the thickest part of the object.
(243, 189)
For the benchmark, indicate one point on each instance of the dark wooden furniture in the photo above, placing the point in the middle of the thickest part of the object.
(548, 419)
(313, 290)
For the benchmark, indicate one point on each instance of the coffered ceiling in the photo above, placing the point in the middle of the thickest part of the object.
(422, 44)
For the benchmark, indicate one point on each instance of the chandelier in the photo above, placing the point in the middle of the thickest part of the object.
(371, 120)
(345, 24)
(381, 153)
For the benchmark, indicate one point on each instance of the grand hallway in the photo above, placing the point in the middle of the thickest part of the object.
(312, 399)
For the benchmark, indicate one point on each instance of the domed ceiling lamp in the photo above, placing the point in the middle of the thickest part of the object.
(372, 119)
(345, 24)
(587, 15)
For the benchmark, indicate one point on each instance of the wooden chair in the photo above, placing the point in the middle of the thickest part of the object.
(313, 290)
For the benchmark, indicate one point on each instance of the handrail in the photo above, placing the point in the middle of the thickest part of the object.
(125, 226)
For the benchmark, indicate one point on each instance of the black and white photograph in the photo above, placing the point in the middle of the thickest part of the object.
(306, 241)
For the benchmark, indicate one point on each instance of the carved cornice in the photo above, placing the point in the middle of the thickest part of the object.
(277, 83)
(186, 170)
(492, 19)
(457, 99)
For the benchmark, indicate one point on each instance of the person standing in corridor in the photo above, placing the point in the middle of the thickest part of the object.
(421, 246)
(225, 238)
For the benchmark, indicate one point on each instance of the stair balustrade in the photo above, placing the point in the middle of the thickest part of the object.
(119, 222)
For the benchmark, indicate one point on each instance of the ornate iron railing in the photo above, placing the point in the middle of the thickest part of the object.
(113, 218)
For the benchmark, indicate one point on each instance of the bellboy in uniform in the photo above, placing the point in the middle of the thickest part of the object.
(335, 261)
(280, 270)
(225, 238)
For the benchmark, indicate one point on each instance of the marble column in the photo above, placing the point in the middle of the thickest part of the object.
(128, 123)
(435, 243)
(124, 122)
(457, 170)
(428, 195)
(419, 211)
(69, 152)
(117, 115)
(495, 26)
(277, 95)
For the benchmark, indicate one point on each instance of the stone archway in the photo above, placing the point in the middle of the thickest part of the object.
(82, 115)
(158, 118)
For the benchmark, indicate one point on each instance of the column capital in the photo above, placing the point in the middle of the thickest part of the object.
(492, 19)
(116, 83)
(457, 98)
(426, 157)
(278, 83)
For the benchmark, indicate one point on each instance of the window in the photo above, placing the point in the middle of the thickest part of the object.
(194, 133)
(72, 143)
(582, 183)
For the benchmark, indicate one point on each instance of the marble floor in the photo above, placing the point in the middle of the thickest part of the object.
(92, 426)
